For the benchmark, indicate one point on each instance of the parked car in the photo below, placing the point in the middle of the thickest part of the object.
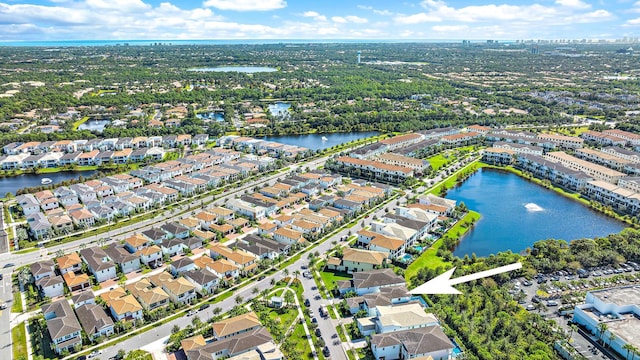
(307, 302)
(552, 303)
(204, 307)
(325, 351)
(3, 306)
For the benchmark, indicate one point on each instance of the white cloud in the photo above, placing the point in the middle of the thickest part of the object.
(417, 18)
(632, 22)
(356, 19)
(375, 11)
(576, 4)
(591, 17)
(339, 19)
(449, 28)
(349, 19)
(246, 5)
(315, 15)
(439, 11)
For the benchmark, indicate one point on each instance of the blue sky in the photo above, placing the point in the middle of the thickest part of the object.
(38, 20)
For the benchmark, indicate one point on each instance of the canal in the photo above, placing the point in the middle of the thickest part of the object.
(320, 141)
(11, 184)
(516, 213)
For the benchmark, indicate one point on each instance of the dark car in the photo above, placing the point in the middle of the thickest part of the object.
(314, 320)
(307, 302)
(318, 333)
(325, 351)
(204, 306)
(9, 265)
(261, 277)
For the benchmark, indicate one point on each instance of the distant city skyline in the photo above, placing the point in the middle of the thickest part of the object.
(56, 20)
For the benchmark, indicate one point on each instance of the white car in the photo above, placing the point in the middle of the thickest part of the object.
(95, 353)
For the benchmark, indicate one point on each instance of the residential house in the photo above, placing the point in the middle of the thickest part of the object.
(99, 263)
(288, 236)
(63, 326)
(367, 282)
(125, 307)
(43, 269)
(149, 296)
(180, 290)
(76, 282)
(422, 342)
(95, 321)
(126, 261)
(236, 325)
(355, 260)
(182, 265)
(51, 286)
(204, 280)
(70, 262)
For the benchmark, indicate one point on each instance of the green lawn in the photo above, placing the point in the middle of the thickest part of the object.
(19, 340)
(437, 161)
(329, 278)
(452, 180)
(138, 355)
(79, 122)
(429, 258)
(16, 307)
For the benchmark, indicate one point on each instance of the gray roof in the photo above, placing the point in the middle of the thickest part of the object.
(173, 228)
(64, 321)
(372, 278)
(49, 281)
(42, 267)
(154, 234)
(182, 262)
(93, 318)
(119, 254)
(234, 345)
(418, 341)
(259, 246)
(96, 258)
(82, 296)
(200, 276)
(406, 222)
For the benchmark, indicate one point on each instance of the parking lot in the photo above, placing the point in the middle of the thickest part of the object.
(558, 293)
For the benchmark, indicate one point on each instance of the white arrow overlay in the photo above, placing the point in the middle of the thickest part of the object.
(442, 284)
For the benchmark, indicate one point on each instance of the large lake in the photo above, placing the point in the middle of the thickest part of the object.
(516, 213)
(320, 141)
(14, 183)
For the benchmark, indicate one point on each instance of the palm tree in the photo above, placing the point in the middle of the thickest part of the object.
(285, 272)
(217, 310)
(630, 350)
(612, 338)
(255, 290)
(602, 328)
(239, 299)
(296, 273)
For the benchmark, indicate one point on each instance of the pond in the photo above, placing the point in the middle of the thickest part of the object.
(94, 125)
(279, 109)
(516, 213)
(216, 116)
(242, 69)
(320, 141)
(11, 184)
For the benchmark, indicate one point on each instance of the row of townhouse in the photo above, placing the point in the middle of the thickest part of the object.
(374, 169)
(90, 158)
(613, 137)
(545, 141)
(599, 172)
(112, 144)
(554, 171)
(398, 323)
(124, 194)
(261, 147)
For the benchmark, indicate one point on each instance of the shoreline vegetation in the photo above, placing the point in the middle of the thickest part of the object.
(439, 254)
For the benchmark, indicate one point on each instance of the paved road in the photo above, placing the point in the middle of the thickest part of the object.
(162, 332)
(116, 234)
